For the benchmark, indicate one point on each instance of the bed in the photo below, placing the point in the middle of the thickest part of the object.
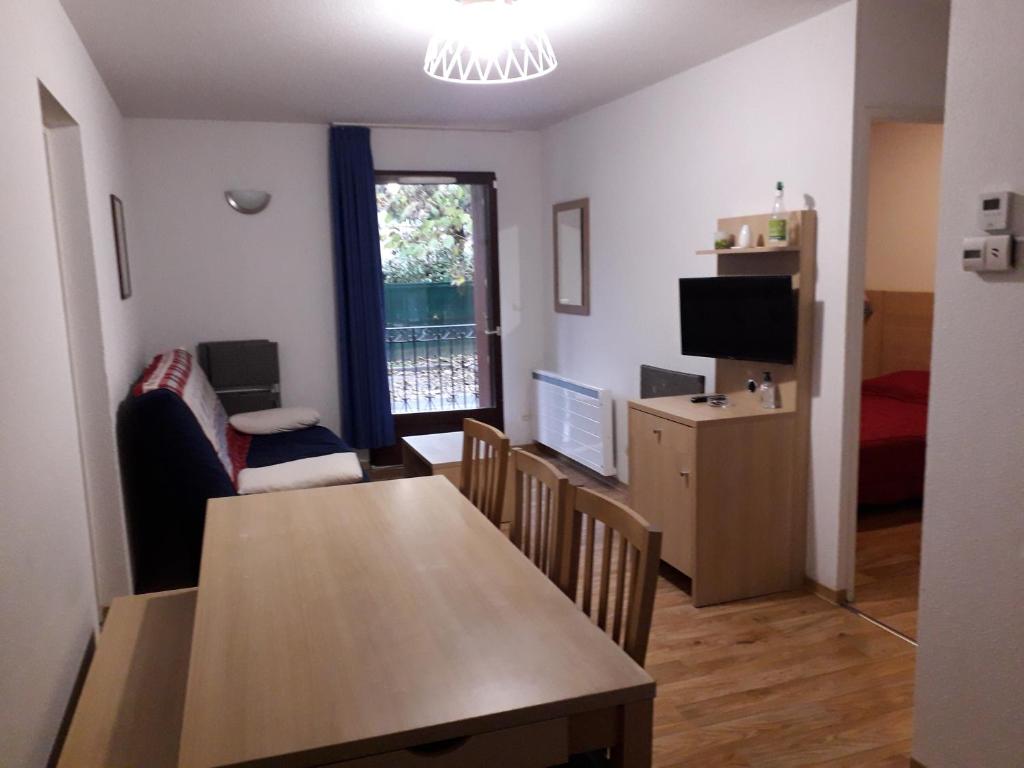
(894, 396)
(893, 424)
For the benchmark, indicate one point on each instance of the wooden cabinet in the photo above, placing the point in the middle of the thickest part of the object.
(720, 485)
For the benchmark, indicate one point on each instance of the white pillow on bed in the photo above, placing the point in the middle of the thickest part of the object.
(319, 471)
(274, 420)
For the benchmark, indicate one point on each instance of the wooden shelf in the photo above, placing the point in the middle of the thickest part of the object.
(797, 259)
(791, 248)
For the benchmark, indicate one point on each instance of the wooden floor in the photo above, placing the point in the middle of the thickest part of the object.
(888, 566)
(781, 681)
(787, 680)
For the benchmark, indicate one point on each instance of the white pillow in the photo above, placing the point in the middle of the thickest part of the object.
(333, 469)
(274, 420)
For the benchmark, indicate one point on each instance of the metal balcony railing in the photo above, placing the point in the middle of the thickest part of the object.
(432, 368)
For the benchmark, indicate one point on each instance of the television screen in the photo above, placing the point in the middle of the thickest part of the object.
(739, 318)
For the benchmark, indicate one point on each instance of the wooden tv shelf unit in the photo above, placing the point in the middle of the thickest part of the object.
(728, 486)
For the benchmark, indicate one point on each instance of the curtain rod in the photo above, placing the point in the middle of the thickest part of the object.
(402, 127)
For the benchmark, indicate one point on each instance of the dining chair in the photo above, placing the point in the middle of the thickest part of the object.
(540, 510)
(610, 568)
(484, 467)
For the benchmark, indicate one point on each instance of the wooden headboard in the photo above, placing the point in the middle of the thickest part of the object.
(898, 333)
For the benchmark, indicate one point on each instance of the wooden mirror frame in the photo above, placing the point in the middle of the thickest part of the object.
(583, 206)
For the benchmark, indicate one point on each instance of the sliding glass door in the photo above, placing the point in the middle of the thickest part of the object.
(439, 255)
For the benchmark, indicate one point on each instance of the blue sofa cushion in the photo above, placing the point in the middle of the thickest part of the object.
(280, 447)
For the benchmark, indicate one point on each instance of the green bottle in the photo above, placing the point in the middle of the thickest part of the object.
(777, 221)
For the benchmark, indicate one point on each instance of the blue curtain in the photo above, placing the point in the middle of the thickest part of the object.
(366, 419)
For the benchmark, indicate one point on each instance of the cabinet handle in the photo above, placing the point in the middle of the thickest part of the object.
(439, 747)
(684, 473)
(657, 432)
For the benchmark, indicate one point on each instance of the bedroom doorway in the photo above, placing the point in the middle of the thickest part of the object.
(900, 246)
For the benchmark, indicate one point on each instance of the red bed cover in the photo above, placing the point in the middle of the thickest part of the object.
(893, 424)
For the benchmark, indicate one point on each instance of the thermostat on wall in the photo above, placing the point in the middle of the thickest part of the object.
(988, 254)
(994, 211)
(974, 254)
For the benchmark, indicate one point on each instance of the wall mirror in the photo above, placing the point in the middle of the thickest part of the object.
(572, 257)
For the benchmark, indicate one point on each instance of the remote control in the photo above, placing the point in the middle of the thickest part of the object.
(704, 398)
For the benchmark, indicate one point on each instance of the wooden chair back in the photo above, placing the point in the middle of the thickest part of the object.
(484, 467)
(611, 568)
(541, 507)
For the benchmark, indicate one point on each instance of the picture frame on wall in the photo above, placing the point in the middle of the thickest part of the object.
(121, 246)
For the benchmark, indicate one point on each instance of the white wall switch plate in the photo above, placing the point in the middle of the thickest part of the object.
(998, 253)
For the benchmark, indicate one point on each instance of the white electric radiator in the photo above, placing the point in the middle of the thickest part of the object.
(575, 419)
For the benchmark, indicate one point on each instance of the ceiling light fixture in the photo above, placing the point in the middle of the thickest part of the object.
(489, 41)
(247, 201)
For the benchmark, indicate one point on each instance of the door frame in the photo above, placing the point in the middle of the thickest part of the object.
(846, 537)
(430, 422)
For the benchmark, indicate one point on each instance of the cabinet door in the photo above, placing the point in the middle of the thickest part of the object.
(680, 483)
(645, 474)
(661, 482)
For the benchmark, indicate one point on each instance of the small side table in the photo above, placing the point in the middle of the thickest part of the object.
(441, 454)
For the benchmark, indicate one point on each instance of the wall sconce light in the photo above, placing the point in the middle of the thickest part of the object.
(247, 201)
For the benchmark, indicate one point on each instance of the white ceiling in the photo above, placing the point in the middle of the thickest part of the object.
(361, 60)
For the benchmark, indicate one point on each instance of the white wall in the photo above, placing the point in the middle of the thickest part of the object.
(47, 590)
(662, 165)
(969, 701)
(210, 273)
(903, 206)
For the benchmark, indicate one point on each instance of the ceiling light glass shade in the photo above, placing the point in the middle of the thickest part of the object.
(489, 41)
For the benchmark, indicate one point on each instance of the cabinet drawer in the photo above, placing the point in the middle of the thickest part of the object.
(538, 745)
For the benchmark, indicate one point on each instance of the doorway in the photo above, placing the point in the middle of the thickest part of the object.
(76, 261)
(439, 256)
(902, 227)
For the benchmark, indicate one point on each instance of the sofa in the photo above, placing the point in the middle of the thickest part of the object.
(178, 451)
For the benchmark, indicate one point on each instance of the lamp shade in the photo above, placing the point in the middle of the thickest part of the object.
(489, 41)
(248, 201)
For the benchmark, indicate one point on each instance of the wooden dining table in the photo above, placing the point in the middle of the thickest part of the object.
(390, 624)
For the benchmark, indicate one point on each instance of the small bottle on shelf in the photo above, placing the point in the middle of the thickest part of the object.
(769, 393)
(777, 224)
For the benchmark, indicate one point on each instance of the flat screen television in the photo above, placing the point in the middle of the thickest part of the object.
(739, 318)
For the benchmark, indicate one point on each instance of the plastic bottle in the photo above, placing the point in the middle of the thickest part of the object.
(768, 391)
